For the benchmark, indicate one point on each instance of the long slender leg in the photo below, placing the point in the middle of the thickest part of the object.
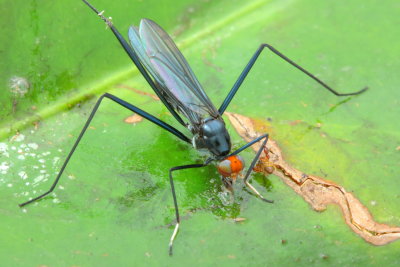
(190, 166)
(131, 53)
(237, 151)
(249, 65)
(125, 104)
(253, 163)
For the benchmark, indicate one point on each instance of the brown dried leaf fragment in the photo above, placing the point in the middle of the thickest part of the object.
(317, 191)
(239, 219)
(135, 118)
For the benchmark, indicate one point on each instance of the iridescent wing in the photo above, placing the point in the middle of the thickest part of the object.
(166, 64)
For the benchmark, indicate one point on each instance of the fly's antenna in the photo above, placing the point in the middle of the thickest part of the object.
(100, 14)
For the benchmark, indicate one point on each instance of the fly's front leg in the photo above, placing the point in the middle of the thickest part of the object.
(253, 163)
(171, 180)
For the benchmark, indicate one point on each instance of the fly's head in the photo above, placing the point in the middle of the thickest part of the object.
(214, 137)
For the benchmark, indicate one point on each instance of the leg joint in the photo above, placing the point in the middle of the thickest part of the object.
(266, 45)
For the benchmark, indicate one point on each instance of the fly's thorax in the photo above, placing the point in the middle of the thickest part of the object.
(213, 136)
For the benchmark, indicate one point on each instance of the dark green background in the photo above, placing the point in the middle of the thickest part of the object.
(115, 206)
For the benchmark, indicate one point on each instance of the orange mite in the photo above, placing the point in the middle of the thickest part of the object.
(231, 166)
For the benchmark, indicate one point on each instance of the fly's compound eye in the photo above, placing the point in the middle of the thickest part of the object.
(231, 166)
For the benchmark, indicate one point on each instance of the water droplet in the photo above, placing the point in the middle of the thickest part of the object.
(19, 86)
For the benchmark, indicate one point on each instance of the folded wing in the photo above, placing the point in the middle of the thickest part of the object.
(171, 72)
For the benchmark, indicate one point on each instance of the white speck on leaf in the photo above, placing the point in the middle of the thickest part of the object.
(19, 138)
(4, 166)
(38, 179)
(23, 175)
(4, 149)
(33, 145)
(55, 160)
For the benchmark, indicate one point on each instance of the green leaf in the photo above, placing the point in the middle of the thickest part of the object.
(113, 206)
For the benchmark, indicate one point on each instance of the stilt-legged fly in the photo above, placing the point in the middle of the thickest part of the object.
(167, 72)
